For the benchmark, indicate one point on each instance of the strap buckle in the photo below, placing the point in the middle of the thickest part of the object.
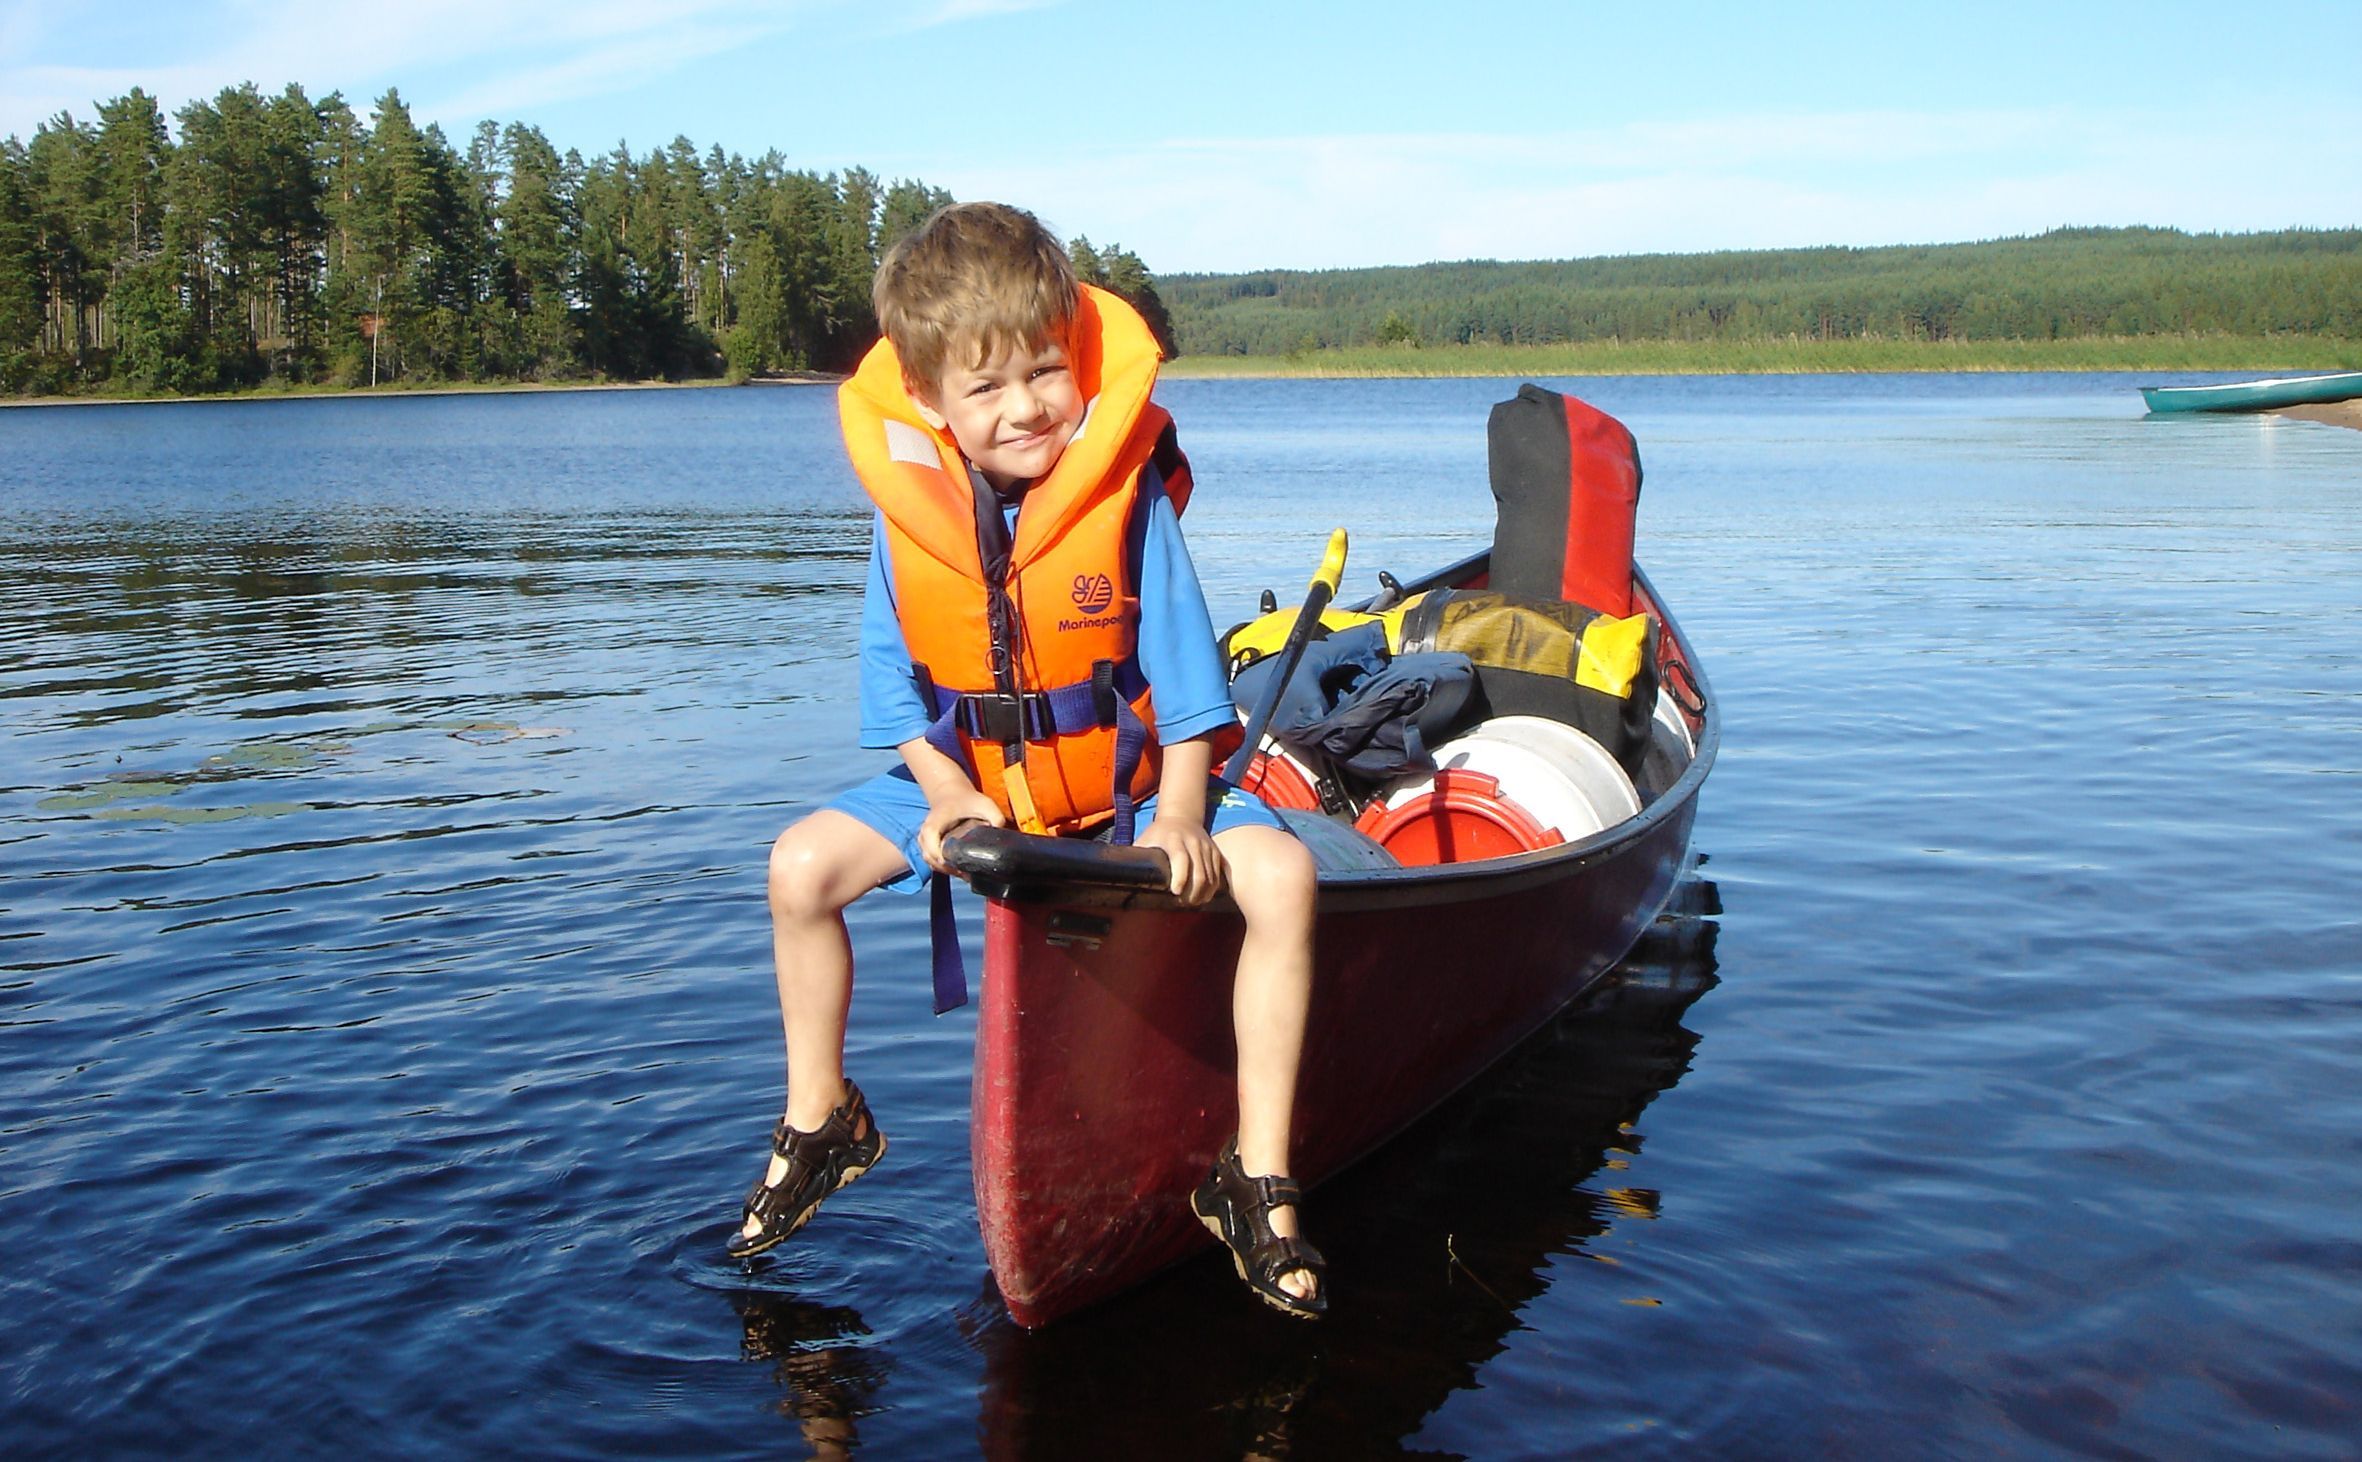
(998, 717)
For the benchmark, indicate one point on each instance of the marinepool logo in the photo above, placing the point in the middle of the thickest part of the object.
(1092, 594)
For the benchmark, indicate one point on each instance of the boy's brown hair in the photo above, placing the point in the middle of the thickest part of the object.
(972, 281)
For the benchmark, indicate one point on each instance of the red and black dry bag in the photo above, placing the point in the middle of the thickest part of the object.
(1567, 478)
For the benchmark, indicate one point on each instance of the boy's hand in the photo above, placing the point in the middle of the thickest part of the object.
(946, 810)
(1199, 870)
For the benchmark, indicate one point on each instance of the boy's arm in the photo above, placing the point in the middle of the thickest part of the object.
(1179, 828)
(952, 798)
(1178, 652)
(891, 712)
(1179, 657)
(893, 715)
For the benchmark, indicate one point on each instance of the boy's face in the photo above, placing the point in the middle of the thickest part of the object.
(1013, 415)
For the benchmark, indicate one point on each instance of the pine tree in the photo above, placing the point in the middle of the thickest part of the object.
(907, 205)
(537, 237)
(295, 228)
(63, 183)
(1121, 271)
(20, 272)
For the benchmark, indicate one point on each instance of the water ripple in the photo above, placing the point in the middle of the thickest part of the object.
(390, 1033)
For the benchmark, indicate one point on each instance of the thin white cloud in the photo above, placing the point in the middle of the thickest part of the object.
(449, 55)
(1196, 201)
(594, 70)
(1776, 141)
(952, 11)
(1740, 182)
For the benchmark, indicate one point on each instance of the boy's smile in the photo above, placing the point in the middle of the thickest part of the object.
(1013, 415)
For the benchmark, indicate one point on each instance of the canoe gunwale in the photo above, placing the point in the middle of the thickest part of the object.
(991, 870)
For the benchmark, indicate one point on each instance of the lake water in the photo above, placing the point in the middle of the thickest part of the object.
(386, 1035)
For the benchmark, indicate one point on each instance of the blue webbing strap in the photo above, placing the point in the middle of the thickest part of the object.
(950, 972)
(1071, 708)
(950, 969)
(943, 733)
(1131, 739)
(1047, 713)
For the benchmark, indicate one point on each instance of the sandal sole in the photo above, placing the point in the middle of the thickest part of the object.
(768, 1242)
(1294, 1310)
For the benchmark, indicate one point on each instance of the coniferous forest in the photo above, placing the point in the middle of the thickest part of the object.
(262, 239)
(274, 240)
(2070, 283)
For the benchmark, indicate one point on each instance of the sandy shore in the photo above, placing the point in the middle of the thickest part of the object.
(2336, 413)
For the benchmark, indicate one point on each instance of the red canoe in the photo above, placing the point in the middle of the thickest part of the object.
(1103, 1086)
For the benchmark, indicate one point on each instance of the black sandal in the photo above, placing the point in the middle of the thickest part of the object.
(1237, 1209)
(847, 1145)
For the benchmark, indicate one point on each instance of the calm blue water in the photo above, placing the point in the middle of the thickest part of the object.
(384, 788)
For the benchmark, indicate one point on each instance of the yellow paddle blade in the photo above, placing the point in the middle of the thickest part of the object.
(1332, 563)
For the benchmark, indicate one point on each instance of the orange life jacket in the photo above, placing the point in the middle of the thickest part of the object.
(1048, 741)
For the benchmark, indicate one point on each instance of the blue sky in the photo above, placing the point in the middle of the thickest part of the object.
(1221, 135)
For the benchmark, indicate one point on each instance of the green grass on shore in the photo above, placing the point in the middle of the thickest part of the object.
(2259, 353)
(1798, 356)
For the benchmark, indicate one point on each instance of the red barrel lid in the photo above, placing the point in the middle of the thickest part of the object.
(1459, 818)
(1280, 783)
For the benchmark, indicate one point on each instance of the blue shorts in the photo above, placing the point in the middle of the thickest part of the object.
(891, 805)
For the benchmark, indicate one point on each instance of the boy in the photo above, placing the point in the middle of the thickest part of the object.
(1028, 591)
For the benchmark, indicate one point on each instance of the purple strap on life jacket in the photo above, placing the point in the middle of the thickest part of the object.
(950, 971)
(1131, 741)
(1041, 715)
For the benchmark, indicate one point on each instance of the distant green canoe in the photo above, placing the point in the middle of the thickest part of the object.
(2255, 395)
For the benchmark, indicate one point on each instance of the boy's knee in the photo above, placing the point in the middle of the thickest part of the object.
(801, 876)
(1297, 875)
(1273, 874)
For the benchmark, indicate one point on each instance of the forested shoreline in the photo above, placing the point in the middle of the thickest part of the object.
(2148, 354)
(2071, 283)
(278, 241)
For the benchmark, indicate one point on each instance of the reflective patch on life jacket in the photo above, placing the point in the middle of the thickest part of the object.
(906, 443)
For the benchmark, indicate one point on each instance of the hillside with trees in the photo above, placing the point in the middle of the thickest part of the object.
(274, 239)
(277, 241)
(2067, 284)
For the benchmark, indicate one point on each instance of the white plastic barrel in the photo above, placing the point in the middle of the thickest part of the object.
(1560, 777)
(1676, 725)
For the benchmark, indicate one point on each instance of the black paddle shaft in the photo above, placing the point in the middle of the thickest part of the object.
(1316, 599)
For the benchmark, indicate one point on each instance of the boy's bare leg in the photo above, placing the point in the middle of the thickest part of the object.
(818, 867)
(1272, 878)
